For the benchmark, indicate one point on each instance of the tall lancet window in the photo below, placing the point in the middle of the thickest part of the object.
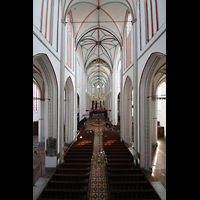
(35, 96)
(128, 39)
(69, 39)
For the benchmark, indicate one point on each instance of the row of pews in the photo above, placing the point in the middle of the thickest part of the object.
(125, 181)
(70, 180)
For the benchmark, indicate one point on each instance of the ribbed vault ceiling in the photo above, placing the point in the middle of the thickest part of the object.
(98, 26)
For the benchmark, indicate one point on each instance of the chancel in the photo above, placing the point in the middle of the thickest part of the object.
(98, 99)
(99, 76)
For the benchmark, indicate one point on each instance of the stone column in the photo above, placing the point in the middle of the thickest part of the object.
(121, 95)
(75, 115)
(135, 96)
(61, 110)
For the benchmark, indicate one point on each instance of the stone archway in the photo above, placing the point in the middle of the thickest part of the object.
(48, 122)
(127, 104)
(147, 109)
(69, 111)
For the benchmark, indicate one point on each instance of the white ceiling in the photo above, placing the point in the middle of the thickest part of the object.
(98, 27)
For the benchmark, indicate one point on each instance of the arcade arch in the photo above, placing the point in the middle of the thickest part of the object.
(153, 73)
(44, 75)
(49, 96)
(69, 111)
(127, 111)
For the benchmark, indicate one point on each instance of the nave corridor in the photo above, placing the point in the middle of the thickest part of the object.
(82, 178)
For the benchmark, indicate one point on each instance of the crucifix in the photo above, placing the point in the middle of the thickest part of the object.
(98, 99)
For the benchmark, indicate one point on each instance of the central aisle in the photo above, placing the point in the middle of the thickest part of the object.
(98, 185)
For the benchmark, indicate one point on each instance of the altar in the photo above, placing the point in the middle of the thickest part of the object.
(98, 116)
(98, 111)
(98, 100)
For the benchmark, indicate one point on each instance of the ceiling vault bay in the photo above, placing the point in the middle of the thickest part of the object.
(98, 29)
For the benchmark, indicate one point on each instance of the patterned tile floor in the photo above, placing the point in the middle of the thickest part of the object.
(98, 185)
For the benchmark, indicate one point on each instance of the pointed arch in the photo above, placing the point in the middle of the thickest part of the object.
(69, 110)
(49, 112)
(127, 108)
(147, 122)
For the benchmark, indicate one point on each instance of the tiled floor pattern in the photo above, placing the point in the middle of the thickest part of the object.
(98, 186)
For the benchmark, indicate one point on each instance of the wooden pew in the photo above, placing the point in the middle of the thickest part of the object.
(80, 153)
(82, 147)
(64, 194)
(73, 171)
(120, 166)
(77, 185)
(80, 150)
(70, 180)
(116, 152)
(77, 165)
(125, 180)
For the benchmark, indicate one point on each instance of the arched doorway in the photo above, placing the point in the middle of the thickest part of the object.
(69, 111)
(128, 111)
(150, 78)
(44, 75)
